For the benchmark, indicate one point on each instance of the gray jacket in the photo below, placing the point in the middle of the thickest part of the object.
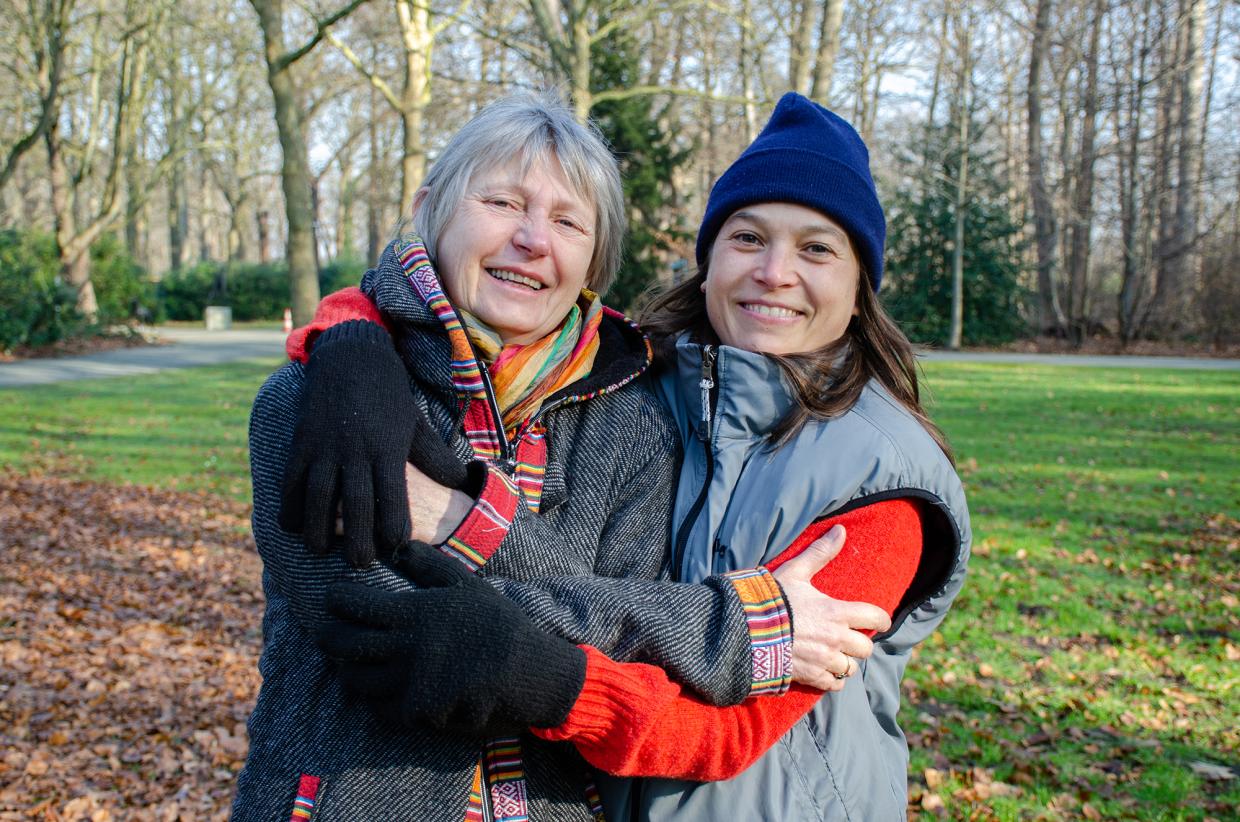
(739, 504)
(584, 567)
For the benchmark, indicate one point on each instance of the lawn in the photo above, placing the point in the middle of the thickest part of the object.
(182, 429)
(1089, 669)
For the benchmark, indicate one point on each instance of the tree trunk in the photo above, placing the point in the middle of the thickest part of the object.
(374, 242)
(1183, 267)
(415, 26)
(747, 70)
(261, 218)
(583, 100)
(964, 115)
(295, 169)
(1050, 315)
(828, 50)
(74, 262)
(1134, 281)
(1082, 206)
(800, 43)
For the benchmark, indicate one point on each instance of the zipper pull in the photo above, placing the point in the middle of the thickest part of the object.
(706, 384)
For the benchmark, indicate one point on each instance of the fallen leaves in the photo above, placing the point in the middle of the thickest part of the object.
(129, 636)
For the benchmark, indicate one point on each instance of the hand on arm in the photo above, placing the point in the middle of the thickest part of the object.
(632, 720)
(828, 636)
(454, 655)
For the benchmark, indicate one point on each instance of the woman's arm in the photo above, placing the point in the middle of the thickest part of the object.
(632, 720)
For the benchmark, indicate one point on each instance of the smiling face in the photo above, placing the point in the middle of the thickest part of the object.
(781, 279)
(517, 249)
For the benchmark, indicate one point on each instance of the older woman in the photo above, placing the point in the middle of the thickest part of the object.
(565, 461)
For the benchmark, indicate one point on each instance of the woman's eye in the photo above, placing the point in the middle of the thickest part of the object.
(569, 223)
(746, 237)
(501, 202)
(819, 248)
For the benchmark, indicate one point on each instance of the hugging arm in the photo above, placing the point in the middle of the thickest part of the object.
(700, 634)
(632, 720)
(697, 632)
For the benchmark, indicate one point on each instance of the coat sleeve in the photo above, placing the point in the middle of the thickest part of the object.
(633, 720)
(700, 634)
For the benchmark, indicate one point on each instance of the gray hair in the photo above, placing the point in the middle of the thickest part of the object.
(532, 129)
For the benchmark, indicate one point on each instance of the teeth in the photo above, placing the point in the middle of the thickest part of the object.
(770, 310)
(513, 277)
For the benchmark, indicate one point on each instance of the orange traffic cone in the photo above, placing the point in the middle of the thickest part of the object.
(288, 321)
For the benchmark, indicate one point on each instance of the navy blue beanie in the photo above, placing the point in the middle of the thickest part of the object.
(808, 156)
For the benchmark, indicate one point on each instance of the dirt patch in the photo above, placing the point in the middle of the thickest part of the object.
(85, 344)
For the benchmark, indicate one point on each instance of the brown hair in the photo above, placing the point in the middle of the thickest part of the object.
(825, 384)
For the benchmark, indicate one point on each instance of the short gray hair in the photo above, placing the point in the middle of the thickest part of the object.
(532, 129)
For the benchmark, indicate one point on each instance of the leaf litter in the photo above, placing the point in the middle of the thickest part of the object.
(129, 639)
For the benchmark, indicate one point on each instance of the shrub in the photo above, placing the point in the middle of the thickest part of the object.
(121, 285)
(34, 307)
(255, 291)
(341, 272)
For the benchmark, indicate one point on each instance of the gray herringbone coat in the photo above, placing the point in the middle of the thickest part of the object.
(584, 567)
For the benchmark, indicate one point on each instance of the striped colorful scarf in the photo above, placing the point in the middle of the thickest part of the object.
(525, 375)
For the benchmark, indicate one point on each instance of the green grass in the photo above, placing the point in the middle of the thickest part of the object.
(1092, 657)
(181, 429)
(1091, 660)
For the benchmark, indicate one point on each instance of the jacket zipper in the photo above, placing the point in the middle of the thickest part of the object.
(505, 451)
(707, 384)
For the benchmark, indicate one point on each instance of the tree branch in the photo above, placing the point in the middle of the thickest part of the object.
(375, 80)
(321, 25)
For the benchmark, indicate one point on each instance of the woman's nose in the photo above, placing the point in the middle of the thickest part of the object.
(774, 269)
(533, 236)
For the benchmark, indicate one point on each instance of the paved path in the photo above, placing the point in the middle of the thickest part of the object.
(189, 347)
(195, 346)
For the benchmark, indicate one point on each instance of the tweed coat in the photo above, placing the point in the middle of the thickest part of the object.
(587, 567)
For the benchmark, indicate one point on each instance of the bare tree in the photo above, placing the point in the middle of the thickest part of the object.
(295, 168)
(78, 223)
(1083, 199)
(1050, 315)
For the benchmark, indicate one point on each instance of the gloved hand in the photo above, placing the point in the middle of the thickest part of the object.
(357, 425)
(454, 655)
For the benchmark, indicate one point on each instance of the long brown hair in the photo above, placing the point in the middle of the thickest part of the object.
(825, 384)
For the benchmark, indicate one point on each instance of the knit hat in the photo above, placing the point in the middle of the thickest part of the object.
(808, 156)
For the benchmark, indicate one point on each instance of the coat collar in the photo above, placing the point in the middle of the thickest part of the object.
(751, 394)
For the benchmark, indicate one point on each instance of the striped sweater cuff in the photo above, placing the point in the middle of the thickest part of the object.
(770, 629)
(479, 535)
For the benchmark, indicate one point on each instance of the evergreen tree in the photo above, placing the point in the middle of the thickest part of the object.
(917, 287)
(648, 159)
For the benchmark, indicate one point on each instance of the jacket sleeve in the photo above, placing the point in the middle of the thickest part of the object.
(295, 580)
(632, 720)
(338, 307)
(699, 633)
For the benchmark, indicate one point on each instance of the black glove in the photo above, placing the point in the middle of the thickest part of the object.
(454, 655)
(357, 425)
